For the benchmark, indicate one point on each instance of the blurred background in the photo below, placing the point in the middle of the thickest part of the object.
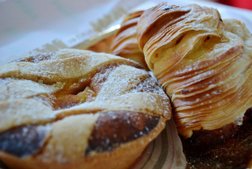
(246, 4)
(34, 25)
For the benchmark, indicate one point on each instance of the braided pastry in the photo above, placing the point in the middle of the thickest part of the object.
(77, 109)
(125, 42)
(203, 63)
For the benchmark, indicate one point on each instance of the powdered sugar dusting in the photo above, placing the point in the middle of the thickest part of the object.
(39, 81)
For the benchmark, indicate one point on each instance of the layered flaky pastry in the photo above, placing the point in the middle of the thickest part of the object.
(125, 42)
(77, 109)
(203, 62)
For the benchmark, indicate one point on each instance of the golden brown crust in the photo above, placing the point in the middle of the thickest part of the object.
(63, 102)
(114, 128)
(204, 64)
(127, 153)
(125, 42)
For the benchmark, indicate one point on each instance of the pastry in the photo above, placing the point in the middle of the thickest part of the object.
(203, 62)
(77, 109)
(125, 42)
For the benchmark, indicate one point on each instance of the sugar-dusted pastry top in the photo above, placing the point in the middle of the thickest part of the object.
(203, 62)
(79, 108)
(125, 42)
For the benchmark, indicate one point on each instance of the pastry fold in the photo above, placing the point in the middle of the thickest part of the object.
(125, 43)
(203, 63)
